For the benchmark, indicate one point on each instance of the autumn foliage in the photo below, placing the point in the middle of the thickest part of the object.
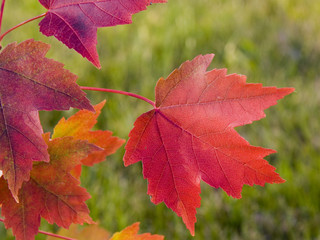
(131, 233)
(187, 136)
(30, 82)
(53, 191)
(95, 232)
(190, 136)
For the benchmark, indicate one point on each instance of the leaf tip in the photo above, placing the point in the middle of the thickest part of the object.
(15, 198)
(96, 63)
(191, 230)
(289, 90)
(209, 56)
(14, 192)
(204, 59)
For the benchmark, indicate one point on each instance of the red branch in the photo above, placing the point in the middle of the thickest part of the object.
(120, 92)
(1, 13)
(49, 234)
(20, 24)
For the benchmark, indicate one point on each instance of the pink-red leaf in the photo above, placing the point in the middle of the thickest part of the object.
(190, 136)
(30, 82)
(52, 192)
(75, 22)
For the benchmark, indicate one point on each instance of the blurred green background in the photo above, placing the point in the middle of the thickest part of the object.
(270, 41)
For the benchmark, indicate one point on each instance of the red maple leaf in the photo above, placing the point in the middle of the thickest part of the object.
(190, 136)
(52, 192)
(30, 82)
(75, 22)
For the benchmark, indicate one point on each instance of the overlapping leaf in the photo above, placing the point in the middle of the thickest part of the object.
(75, 22)
(52, 192)
(190, 136)
(79, 126)
(131, 233)
(30, 82)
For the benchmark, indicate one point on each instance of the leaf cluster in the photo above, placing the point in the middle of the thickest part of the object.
(188, 136)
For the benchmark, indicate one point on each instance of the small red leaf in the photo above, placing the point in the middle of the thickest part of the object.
(190, 136)
(75, 22)
(30, 82)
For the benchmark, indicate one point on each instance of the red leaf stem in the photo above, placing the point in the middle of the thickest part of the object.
(120, 92)
(55, 235)
(20, 24)
(1, 13)
(49, 234)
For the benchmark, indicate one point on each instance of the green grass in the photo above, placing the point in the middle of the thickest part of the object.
(272, 42)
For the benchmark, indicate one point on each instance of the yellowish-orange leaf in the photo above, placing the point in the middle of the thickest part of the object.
(79, 126)
(131, 233)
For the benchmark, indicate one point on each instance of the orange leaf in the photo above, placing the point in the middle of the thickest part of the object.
(131, 233)
(79, 126)
(52, 192)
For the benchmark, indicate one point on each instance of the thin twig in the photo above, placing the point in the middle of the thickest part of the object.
(49, 234)
(120, 92)
(55, 235)
(1, 13)
(20, 24)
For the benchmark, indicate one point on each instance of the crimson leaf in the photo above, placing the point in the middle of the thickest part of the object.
(75, 22)
(190, 136)
(30, 82)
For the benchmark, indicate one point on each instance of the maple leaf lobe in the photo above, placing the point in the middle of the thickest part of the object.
(190, 136)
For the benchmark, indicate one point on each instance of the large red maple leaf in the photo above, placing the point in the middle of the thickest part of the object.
(30, 82)
(75, 22)
(190, 136)
(52, 192)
